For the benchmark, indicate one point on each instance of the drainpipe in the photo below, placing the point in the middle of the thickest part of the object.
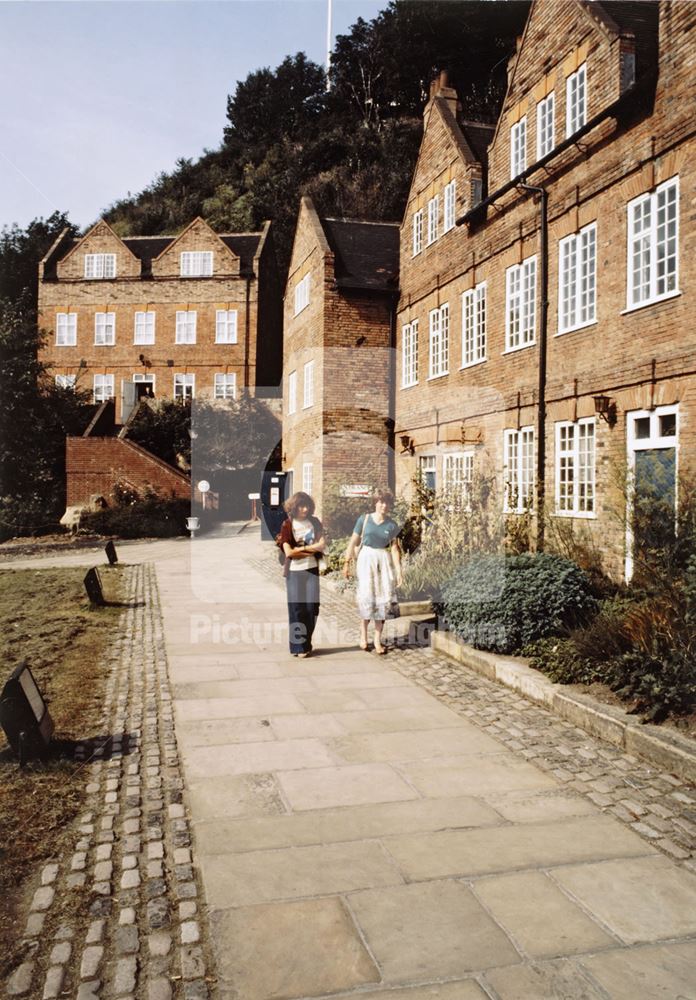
(391, 423)
(247, 333)
(543, 338)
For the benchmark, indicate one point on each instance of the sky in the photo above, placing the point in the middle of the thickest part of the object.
(98, 97)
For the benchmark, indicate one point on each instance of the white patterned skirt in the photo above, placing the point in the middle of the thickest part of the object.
(376, 589)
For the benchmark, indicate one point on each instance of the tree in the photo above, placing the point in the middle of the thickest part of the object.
(32, 443)
(20, 253)
(233, 435)
(164, 428)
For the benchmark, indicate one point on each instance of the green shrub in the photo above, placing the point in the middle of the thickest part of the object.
(152, 517)
(560, 660)
(502, 604)
(661, 685)
(335, 552)
(425, 575)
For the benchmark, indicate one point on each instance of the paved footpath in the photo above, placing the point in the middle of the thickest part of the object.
(392, 828)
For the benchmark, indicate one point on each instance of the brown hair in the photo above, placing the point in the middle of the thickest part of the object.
(299, 500)
(385, 496)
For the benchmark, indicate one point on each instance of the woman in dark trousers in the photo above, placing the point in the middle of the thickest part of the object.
(302, 539)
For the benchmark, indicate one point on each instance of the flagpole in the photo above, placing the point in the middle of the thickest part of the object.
(329, 41)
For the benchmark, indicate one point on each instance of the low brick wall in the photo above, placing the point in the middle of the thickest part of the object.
(94, 465)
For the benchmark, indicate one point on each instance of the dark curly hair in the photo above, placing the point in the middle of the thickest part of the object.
(385, 496)
(297, 500)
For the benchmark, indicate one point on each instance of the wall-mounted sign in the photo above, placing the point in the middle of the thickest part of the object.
(355, 490)
(254, 496)
(203, 486)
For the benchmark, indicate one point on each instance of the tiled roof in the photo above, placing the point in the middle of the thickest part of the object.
(367, 253)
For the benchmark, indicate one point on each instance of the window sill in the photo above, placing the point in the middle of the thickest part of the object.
(519, 513)
(66, 345)
(431, 243)
(574, 329)
(226, 343)
(651, 302)
(307, 406)
(409, 385)
(473, 364)
(104, 345)
(582, 515)
(143, 343)
(434, 378)
(522, 347)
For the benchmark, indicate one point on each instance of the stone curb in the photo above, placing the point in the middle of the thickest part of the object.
(668, 751)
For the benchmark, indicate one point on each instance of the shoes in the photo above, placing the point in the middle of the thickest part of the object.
(302, 656)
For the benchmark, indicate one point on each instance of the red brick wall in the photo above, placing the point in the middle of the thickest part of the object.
(615, 355)
(95, 465)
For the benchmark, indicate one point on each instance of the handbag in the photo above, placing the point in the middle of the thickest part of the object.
(393, 610)
(322, 564)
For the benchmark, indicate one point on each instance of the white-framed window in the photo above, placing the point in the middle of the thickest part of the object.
(302, 294)
(417, 232)
(225, 326)
(518, 147)
(653, 245)
(474, 325)
(409, 354)
(439, 341)
(186, 326)
(546, 129)
(308, 386)
(518, 470)
(575, 467)
(652, 442)
(577, 279)
(105, 329)
(103, 388)
(184, 386)
(520, 307)
(450, 194)
(427, 469)
(144, 379)
(307, 477)
(458, 474)
(144, 328)
(433, 218)
(66, 381)
(196, 263)
(66, 329)
(100, 265)
(225, 385)
(292, 392)
(576, 100)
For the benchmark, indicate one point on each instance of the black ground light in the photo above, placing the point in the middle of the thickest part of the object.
(24, 715)
(111, 555)
(93, 586)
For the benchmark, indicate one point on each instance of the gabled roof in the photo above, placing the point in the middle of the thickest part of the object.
(146, 248)
(366, 253)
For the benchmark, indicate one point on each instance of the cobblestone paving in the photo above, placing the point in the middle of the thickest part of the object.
(118, 916)
(658, 806)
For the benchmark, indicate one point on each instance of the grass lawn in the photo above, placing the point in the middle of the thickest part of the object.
(46, 619)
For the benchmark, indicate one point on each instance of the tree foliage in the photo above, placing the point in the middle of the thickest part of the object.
(352, 149)
(20, 253)
(32, 442)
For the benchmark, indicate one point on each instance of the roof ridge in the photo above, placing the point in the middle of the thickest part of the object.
(360, 222)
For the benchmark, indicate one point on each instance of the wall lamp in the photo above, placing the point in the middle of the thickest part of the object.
(24, 715)
(170, 363)
(407, 444)
(605, 409)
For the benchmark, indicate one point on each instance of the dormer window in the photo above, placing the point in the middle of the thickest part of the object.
(100, 265)
(197, 264)
(433, 213)
(576, 101)
(518, 147)
(546, 136)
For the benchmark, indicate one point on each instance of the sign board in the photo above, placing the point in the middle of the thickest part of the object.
(93, 586)
(110, 550)
(254, 496)
(355, 490)
(275, 497)
(203, 486)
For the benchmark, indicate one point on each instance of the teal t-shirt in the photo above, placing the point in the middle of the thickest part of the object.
(377, 536)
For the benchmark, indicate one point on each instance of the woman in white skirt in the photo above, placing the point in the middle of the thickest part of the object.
(378, 567)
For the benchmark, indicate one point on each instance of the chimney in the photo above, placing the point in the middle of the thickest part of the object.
(439, 87)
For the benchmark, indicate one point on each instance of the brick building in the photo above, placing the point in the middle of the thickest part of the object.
(338, 328)
(198, 314)
(547, 271)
